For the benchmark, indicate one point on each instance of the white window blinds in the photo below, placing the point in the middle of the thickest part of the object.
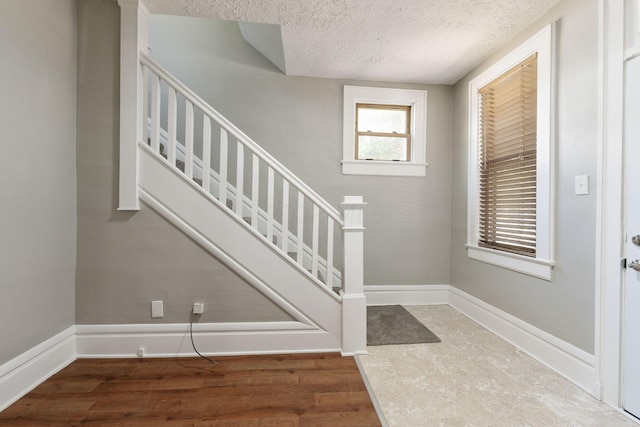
(507, 160)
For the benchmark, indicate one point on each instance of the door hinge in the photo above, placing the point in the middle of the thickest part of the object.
(623, 263)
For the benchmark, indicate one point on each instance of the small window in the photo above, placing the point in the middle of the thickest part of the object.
(383, 132)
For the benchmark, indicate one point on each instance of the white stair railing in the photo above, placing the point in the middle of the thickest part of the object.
(242, 205)
(297, 222)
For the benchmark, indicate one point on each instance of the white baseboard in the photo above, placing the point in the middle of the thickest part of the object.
(25, 372)
(172, 340)
(407, 294)
(573, 363)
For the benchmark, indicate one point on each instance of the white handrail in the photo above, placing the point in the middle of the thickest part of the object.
(242, 137)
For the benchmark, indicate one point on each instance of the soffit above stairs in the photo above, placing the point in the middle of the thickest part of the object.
(421, 41)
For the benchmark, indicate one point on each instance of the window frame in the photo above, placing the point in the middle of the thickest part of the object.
(542, 265)
(416, 100)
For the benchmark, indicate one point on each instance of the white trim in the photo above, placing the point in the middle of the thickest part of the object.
(375, 167)
(25, 372)
(543, 43)
(522, 264)
(417, 99)
(150, 328)
(134, 39)
(573, 363)
(354, 324)
(609, 230)
(407, 294)
(599, 324)
(172, 340)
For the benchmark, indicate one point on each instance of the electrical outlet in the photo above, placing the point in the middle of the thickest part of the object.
(156, 309)
(198, 308)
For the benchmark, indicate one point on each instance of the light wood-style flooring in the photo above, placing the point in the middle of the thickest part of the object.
(272, 390)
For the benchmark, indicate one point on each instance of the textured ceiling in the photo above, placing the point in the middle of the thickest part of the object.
(422, 41)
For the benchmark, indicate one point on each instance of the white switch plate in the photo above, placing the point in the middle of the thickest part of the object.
(582, 185)
(156, 309)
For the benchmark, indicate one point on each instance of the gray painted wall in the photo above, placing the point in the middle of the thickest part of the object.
(126, 260)
(37, 172)
(299, 121)
(565, 306)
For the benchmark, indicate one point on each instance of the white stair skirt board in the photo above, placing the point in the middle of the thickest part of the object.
(573, 363)
(407, 294)
(239, 246)
(25, 372)
(172, 340)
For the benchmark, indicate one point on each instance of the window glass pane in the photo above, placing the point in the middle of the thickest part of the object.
(383, 120)
(382, 148)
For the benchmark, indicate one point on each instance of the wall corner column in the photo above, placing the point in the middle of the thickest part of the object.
(610, 202)
(354, 304)
(134, 39)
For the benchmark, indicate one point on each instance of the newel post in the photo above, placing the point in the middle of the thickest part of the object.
(134, 39)
(354, 304)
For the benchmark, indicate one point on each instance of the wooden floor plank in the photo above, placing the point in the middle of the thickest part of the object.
(272, 390)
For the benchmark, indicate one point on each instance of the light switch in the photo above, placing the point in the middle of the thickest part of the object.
(582, 185)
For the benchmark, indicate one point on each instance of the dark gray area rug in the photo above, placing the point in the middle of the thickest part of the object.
(393, 324)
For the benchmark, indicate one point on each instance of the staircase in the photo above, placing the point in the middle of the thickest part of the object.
(221, 188)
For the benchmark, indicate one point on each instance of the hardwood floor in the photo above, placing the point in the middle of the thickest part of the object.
(271, 390)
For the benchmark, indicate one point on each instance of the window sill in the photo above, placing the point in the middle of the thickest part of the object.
(384, 168)
(541, 269)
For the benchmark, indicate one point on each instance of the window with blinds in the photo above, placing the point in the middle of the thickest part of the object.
(507, 160)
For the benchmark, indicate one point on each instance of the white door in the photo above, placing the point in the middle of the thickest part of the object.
(631, 328)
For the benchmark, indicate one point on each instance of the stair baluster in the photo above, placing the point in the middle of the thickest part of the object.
(188, 132)
(172, 125)
(224, 158)
(206, 154)
(240, 179)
